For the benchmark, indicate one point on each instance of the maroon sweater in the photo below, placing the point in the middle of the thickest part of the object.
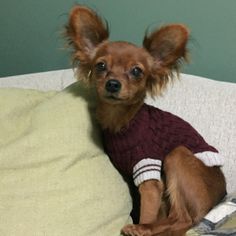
(140, 148)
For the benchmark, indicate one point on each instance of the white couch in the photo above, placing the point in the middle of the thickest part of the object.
(209, 105)
(56, 181)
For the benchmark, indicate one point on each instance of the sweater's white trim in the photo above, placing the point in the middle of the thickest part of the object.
(146, 169)
(210, 158)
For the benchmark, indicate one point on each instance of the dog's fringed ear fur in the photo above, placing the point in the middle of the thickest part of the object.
(85, 31)
(168, 48)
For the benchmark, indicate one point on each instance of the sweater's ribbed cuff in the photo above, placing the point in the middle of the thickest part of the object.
(146, 169)
(210, 158)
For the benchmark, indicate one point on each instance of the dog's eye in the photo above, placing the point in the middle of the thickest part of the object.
(136, 72)
(101, 66)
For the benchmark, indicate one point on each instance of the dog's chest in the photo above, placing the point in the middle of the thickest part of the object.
(138, 140)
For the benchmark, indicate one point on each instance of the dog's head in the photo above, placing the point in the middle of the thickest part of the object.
(123, 72)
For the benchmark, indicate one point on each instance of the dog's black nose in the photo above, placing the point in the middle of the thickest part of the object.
(113, 86)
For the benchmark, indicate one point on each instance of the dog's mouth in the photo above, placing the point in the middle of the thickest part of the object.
(113, 98)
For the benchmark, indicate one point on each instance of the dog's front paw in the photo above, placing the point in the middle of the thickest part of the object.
(137, 230)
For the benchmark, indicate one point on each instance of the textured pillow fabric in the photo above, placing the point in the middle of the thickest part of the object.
(55, 179)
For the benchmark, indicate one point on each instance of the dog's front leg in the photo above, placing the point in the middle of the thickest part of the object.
(151, 194)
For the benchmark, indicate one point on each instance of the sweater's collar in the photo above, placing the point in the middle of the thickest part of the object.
(139, 122)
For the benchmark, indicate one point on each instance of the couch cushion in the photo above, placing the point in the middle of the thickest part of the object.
(55, 178)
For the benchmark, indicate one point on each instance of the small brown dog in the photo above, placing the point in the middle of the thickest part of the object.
(166, 157)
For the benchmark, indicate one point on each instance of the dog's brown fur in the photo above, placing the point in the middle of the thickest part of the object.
(192, 188)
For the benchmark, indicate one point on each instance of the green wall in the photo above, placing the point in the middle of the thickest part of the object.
(30, 32)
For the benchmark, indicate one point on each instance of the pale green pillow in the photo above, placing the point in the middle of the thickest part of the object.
(55, 179)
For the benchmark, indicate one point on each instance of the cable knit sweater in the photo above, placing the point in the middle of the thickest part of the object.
(139, 149)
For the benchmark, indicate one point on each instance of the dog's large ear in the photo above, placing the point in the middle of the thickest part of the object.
(85, 31)
(167, 46)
